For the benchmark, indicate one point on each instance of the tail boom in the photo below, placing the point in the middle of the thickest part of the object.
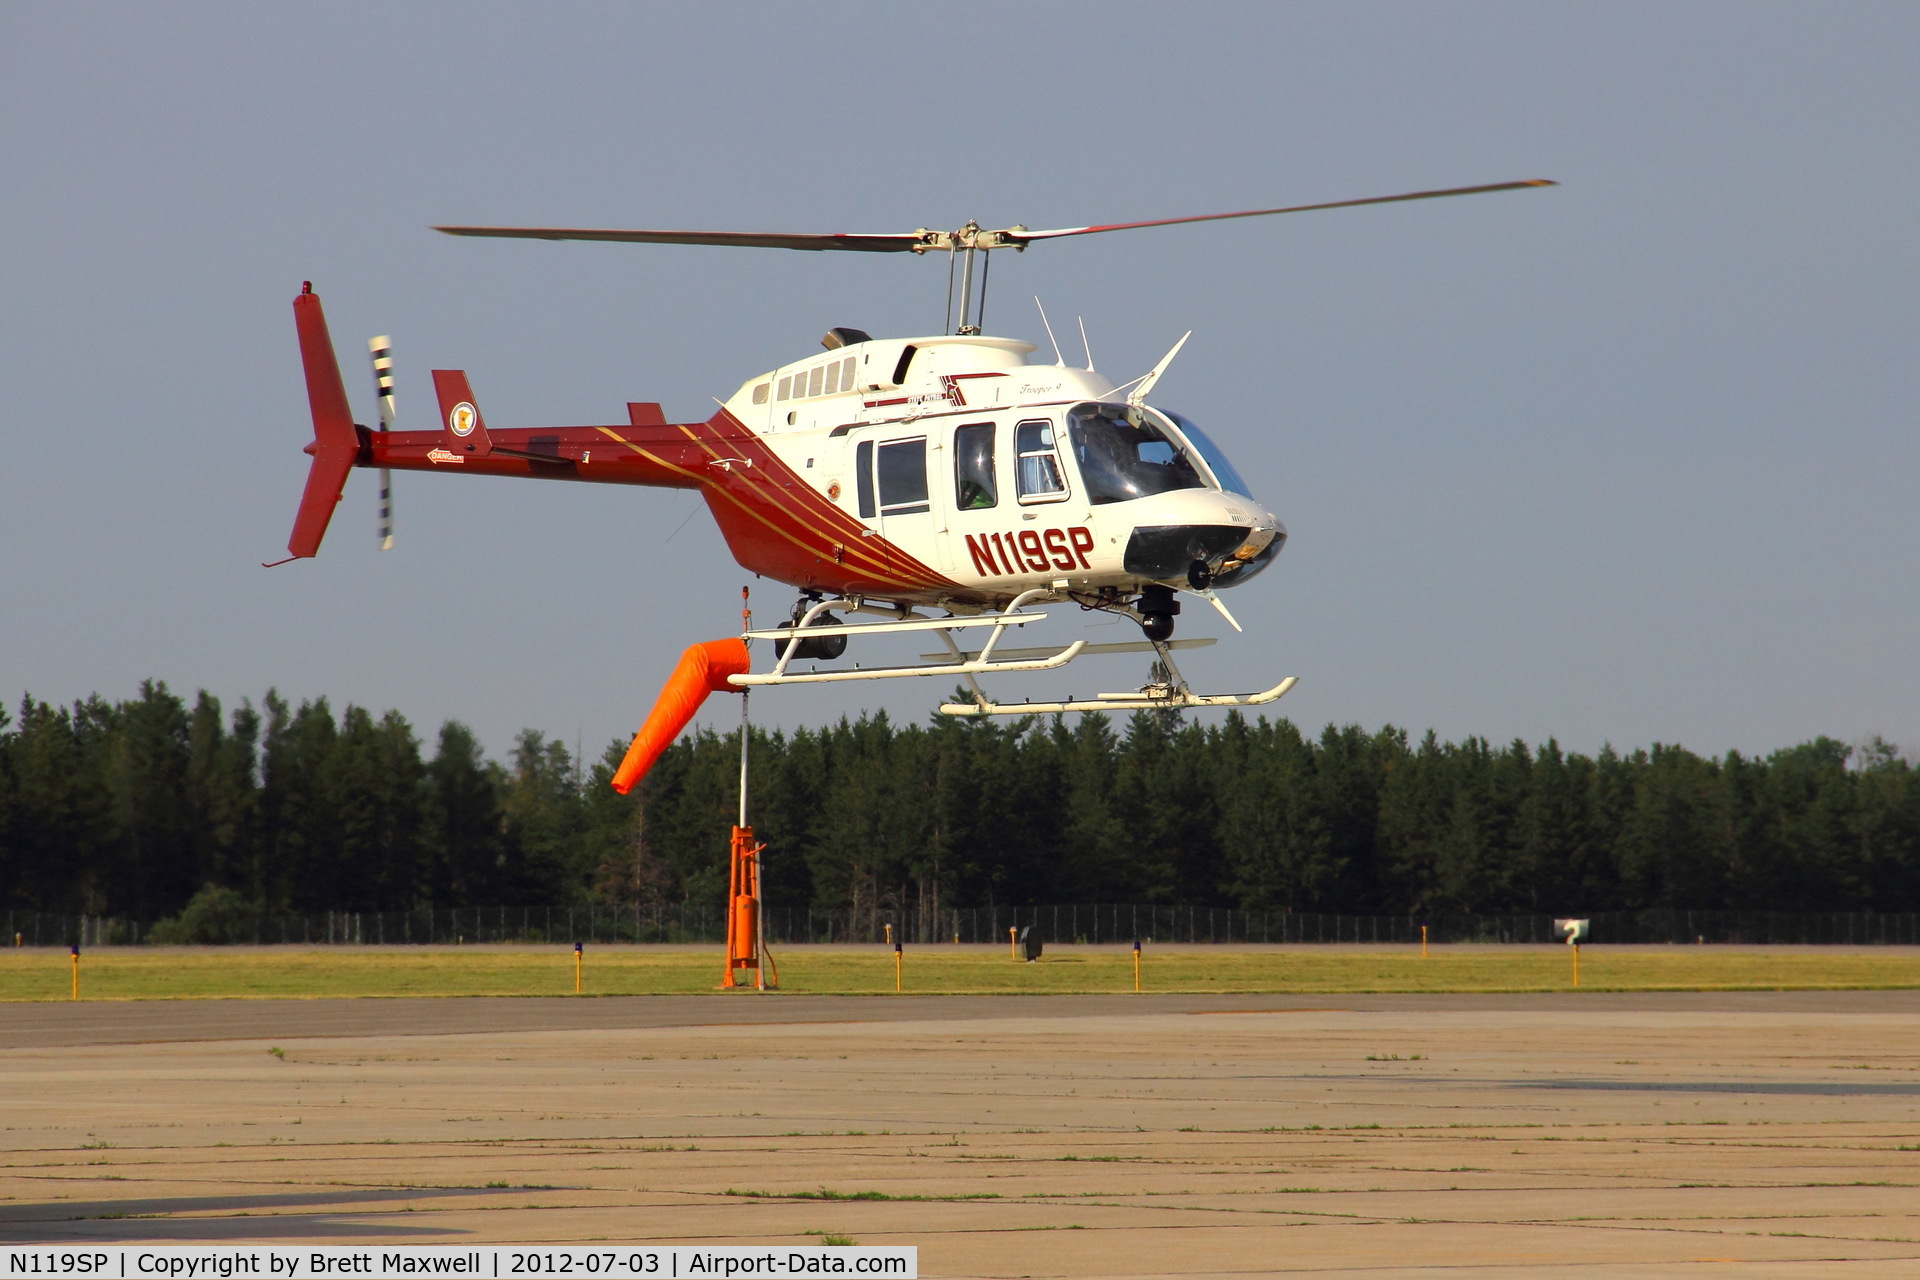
(645, 450)
(657, 456)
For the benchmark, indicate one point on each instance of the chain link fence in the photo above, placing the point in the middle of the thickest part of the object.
(681, 922)
(1065, 923)
(1090, 923)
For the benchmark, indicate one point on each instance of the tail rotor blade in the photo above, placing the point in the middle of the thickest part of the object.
(381, 349)
(386, 509)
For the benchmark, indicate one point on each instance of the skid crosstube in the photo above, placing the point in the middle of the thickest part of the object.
(968, 663)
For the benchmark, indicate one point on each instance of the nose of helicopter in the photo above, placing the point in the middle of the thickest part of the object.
(1220, 540)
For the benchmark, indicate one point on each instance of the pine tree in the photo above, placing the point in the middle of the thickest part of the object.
(145, 770)
(546, 822)
(464, 839)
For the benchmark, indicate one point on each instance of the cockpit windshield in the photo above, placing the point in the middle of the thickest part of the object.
(1210, 453)
(1123, 454)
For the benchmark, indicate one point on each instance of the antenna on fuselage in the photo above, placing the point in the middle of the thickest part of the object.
(1143, 386)
(1083, 342)
(1059, 360)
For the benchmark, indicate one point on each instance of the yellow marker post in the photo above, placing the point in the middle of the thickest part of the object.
(1013, 952)
(76, 971)
(1136, 966)
(1573, 931)
(896, 968)
(889, 929)
(1423, 942)
(577, 955)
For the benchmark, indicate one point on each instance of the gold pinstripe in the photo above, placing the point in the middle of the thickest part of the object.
(873, 567)
(908, 571)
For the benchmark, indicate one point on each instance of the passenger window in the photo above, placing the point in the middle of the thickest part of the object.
(833, 378)
(786, 386)
(903, 477)
(760, 394)
(813, 379)
(1037, 465)
(863, 477)
(846, 374)
(974, 486)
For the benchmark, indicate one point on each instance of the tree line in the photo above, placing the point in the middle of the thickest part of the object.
(129, 808)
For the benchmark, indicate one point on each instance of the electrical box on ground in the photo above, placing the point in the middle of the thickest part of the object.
(1030, 942)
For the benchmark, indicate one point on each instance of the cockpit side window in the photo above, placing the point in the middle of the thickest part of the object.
(1037, 463)
(975, 487)
(1124, 455)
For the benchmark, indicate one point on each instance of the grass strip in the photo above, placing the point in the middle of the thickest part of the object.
(138, 973)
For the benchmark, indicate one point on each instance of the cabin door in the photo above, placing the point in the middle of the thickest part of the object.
(894, 488)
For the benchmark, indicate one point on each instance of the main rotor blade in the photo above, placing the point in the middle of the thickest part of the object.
(904, 243)
(971, 236)
(1296, 208)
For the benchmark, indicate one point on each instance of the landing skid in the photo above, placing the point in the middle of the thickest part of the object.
(1150, 698)
(1168, 693)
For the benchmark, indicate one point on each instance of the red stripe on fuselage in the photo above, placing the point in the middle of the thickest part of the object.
(775, 523)
(782, 526)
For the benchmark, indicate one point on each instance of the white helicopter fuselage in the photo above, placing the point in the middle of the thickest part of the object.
(996, 476)
(886, 477)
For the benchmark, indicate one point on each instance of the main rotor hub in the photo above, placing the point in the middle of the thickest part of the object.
(971, 236)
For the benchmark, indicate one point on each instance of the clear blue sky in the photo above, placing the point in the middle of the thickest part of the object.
(1628, 460)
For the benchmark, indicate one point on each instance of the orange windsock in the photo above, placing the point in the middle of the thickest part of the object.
(703, 669)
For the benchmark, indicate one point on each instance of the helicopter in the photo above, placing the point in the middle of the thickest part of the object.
(942, 485)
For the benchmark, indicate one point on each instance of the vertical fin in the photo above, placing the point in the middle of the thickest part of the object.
(461, 424)
(336, 441)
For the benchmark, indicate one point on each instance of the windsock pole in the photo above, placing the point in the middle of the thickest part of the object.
(759, 890)
(703, 669)
(746, 919)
